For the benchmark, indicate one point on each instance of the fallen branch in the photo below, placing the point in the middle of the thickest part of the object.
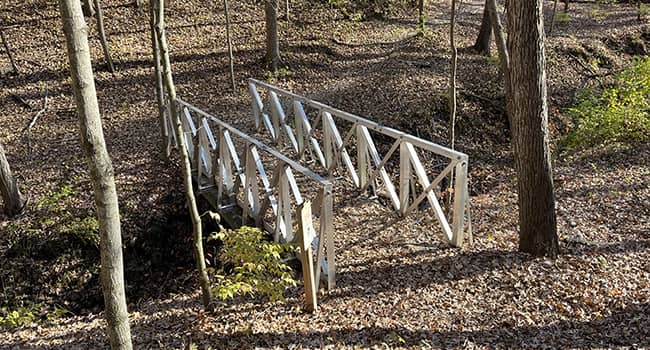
(28, 129)
(22, 101)
(482, 98)
(31, 124)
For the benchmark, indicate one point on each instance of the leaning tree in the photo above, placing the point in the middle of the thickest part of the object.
(11, 197)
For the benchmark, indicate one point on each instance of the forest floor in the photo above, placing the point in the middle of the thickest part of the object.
(398, 283)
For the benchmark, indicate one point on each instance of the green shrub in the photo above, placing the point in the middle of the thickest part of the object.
(618, 114)
(82, 231)
(18, 317)
(251, 265)
(27, 314)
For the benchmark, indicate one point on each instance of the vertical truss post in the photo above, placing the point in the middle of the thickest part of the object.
(460, 198)
(404, 177)
(362, 156)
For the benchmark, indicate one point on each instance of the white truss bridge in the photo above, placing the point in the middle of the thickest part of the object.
(282, 179)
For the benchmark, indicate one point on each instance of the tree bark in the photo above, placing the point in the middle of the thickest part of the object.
(504, 58)
(88, 8)
(550, 30)
(13, 200)
(102, 36)
(272, 42)
(11, 57)
(529, 124)
(101, 173)
(185, 160)
(229, 42)
(484, 38)
(421, 17)
(452, 76)
(164, 132)
(452, 93)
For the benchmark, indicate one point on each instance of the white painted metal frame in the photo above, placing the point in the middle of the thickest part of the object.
(217, 163)
(330, 150)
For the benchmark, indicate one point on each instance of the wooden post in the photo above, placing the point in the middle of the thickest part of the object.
(306, 231)
(404, 177)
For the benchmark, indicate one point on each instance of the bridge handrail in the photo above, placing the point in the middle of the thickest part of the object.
(396, 134)
(293, 164)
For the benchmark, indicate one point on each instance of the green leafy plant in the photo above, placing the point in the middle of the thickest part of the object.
(29, 313)
(251, 265)
(562, 17)
(55, 200)
(18, 317)
(84, 231)
(619, 113)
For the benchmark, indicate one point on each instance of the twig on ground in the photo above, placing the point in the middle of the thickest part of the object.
(27, 130)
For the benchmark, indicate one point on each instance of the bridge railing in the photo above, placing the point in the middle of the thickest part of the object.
(314, 132)
(231, 168)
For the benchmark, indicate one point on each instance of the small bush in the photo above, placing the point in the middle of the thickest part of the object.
(618, 114)
(82, 231)
(251, 265)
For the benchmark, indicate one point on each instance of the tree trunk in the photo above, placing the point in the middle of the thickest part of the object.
(504, 58)
(11, 57)
(272, 42)
(550, 30)
(185, 160)
(88, 8)
(452, 76)
(452, 93)
(229, 42)
(101, 173)
(13, 200)
(484, 38)
(164, 132)
(566, 6)
(421, 16)
(102, 36)
(529, 124)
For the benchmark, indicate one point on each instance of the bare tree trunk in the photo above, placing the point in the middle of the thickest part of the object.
(452, 94)
(504, 58)
(272, 42)
(484, 38)
(101, 173)
(287, 15)
(88, 8)
(13, 200)
(164, 133)
(139, 3)
(421, 16)
(529, 124)
(11, 57)
(550, 30)
(185, 160)
(102, 36)
(566, 6)
(229, 42)
(452, 76)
